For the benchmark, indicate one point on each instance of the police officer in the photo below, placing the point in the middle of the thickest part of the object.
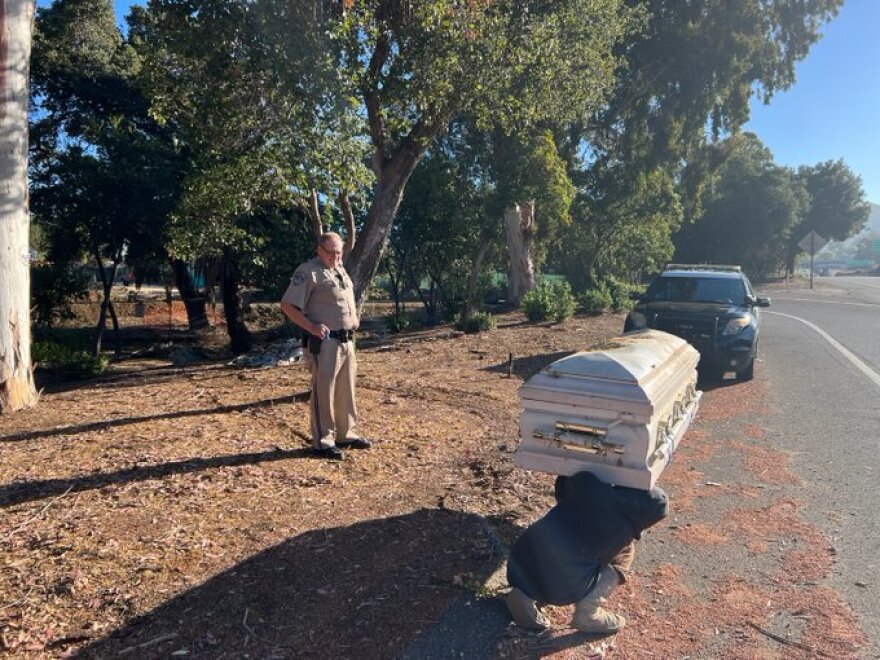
(320, 300)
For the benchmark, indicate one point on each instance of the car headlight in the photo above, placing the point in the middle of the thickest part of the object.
(737, 325)
(638, 321)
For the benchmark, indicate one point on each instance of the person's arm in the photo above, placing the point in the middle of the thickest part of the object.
(295, 314)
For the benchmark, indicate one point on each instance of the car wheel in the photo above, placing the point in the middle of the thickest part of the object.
(748, 373)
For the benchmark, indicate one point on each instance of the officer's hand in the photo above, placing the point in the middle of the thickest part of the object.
(322, 332)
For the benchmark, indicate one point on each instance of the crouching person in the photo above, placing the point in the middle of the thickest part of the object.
(580, 551)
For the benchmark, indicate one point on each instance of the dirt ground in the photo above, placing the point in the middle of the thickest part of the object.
(165, 511)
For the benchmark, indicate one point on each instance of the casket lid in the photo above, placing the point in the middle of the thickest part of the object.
(630, 358)
(623, 373)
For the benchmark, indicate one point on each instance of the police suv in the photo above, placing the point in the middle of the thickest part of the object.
(712, 307)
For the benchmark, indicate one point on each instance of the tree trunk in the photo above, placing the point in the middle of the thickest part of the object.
(315, 214)
(350, 230)
(519, 229)
(474, 279)
(194, 303)
(17, 388)
(106, 306)
(239, 337)
(367, 253)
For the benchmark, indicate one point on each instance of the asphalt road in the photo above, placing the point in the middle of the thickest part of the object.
(821, 353)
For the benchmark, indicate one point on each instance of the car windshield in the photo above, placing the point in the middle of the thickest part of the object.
(696, 289)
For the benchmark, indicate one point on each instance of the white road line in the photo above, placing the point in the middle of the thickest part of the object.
(872, 286)
(843, 350)
(829, 302)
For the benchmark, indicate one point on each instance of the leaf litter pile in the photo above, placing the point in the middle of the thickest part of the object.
(178, 512)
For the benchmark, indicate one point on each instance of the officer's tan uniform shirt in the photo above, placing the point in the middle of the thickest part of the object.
(324, 295)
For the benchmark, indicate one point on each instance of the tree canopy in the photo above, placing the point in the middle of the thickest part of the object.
(226, 125)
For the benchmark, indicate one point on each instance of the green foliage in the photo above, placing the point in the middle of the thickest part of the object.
(104, 176)
(549, 300)
(53, 288)
(476, 322)
(529, 167)
(509, 63)
(837, 205)
(283, 240)
(265, 122)
(641, 164)
(596, 300)
(750, 212)
(73, 361)
(439, 226)
(397, 322)
(623, 234)
(620, 291)
(607, 294)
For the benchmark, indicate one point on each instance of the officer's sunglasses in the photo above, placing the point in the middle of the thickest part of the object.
(335, 253)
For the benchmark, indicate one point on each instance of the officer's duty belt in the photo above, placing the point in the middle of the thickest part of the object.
(341, 335)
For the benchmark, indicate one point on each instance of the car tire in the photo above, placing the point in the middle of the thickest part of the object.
(748, 373)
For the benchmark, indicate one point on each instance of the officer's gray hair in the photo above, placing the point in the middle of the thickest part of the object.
(327, 235)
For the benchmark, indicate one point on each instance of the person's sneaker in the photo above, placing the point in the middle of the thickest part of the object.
(333, 453)
(357, 443)
(597, 620)
(525, 611)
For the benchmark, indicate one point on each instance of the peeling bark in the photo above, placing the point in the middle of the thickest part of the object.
(17, 388)
(519, 230)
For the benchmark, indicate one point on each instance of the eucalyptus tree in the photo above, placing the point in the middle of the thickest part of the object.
(533, 192)
(17, 388)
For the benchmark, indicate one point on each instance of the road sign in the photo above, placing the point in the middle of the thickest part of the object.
(812, 243)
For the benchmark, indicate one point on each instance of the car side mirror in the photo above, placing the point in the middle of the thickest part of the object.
(635, 295)
(761, 302)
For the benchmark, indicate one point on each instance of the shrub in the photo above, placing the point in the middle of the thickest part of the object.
(476, 322)
(53, 289)
(619, 291)
(596, 300)
(549, 300)
(52, 355)
(397, 322)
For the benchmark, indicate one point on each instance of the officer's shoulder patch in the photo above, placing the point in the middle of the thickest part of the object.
(298, 278)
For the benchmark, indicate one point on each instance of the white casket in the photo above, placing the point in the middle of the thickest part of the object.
(618, 410)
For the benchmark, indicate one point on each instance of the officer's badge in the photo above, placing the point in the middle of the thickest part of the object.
(298, 279)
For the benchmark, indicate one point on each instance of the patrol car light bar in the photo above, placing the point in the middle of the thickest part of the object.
(716, 267)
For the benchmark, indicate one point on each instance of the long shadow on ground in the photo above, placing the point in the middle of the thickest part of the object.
(28, 491)
(528, 366)
(74, 429)
(375, 589)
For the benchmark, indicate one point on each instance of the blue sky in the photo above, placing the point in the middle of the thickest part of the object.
(831, 112)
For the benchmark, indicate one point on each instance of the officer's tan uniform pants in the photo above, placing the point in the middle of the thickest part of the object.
(332, 408)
